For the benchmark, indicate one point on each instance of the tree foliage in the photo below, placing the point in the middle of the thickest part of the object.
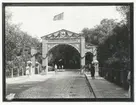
(17, 44)
(99, 33)
(125, 12)
(116, 48)
(113, 41)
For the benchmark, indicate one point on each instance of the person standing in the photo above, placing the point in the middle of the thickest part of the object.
(55, 68)
(27, 70)
(92, 71)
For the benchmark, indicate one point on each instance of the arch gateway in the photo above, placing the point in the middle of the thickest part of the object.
(70, 38)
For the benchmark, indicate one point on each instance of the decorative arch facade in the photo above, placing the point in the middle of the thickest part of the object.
(66, 37)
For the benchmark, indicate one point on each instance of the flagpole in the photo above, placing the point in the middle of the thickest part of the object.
(59, 20)
(62, 21)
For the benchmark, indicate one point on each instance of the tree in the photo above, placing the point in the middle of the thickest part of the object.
(17, 44)
(113, 41)
(125, 12)
(116, 48)
(99, 33)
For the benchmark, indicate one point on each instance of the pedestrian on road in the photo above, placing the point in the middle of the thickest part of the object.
(92, 71)
(27, 70)
(55, 68)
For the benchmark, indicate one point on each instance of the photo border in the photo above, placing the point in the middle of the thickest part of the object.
(131, 4)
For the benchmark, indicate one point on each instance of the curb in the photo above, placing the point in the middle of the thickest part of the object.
(90, 87)
(93, 88)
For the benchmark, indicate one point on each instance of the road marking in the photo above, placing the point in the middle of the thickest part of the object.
(10, 96)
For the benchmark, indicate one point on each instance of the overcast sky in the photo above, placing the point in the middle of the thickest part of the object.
(38, 21)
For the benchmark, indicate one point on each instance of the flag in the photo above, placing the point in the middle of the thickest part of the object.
(59, 16)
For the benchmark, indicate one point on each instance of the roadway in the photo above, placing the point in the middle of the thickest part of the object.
(66, 84)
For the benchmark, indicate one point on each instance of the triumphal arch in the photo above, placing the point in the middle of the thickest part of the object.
(70, 38)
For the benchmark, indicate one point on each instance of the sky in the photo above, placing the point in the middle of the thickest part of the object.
(38, 21)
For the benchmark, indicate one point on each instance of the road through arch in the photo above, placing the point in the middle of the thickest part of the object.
(64, 56)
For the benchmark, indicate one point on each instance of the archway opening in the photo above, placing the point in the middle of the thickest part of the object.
(64, 56)
(88, 58)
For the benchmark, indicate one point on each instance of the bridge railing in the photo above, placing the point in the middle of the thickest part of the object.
(116, 76)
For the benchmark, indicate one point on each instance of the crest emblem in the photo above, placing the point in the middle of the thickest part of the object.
(62, 34)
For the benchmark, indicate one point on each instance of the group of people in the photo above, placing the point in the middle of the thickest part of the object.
(56, 68)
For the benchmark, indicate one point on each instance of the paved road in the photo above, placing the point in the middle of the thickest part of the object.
(67, 84)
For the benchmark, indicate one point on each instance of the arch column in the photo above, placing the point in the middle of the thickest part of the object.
(82, 50)
(44, 56)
